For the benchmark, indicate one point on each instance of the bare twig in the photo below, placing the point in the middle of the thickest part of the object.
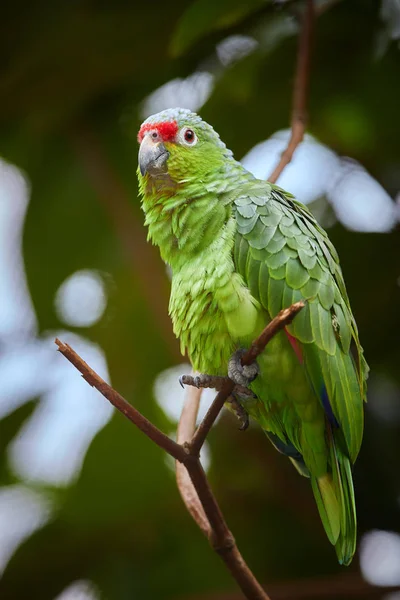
(187, 421)
(186, 428)
(130, 412)
(199, 498)
(285, 317)
(300, 91)
(212, 413)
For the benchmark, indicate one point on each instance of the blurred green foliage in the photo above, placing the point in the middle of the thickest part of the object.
(73, 77)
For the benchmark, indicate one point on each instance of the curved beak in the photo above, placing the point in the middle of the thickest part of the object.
(152, 157)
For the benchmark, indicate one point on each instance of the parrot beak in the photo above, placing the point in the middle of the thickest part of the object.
(152, 157)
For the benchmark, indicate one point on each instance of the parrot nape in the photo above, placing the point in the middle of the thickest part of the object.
(241, 249)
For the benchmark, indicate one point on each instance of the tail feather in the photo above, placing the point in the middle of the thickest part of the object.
(334, 495)
(346, 544)
(325, 497)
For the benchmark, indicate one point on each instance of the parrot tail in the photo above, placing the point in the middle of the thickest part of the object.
(334, 495)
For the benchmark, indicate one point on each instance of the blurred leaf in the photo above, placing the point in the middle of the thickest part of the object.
(204, 16)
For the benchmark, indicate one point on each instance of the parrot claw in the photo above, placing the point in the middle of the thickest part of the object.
(213, 381)
(241, 375)
(240, 413)
(202, 381)
(245, 423)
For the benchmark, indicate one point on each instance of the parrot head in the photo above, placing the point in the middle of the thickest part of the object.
(177, 144)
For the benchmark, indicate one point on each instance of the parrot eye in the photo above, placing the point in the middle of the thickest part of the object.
(154, 135)
(188, 136)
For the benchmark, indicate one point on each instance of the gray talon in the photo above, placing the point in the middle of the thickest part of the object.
(239, 374)
(239, 412)
(245, 422)
(181, 381)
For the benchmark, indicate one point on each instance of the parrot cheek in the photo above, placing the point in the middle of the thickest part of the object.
(152, 157)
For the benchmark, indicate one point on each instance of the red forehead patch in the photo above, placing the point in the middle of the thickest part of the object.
(167, 130)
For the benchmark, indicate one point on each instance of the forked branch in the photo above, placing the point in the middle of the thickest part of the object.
(197, 493)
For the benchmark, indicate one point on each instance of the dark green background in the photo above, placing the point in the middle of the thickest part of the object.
(73, 76)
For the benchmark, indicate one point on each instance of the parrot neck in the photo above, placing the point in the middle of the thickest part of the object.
(185, 218)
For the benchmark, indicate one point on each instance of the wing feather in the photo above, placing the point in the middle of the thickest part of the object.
(285, 256)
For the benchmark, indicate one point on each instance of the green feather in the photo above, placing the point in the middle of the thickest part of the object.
(278, 273)
(296, 274)
(301, 326)
(274, 261)
(310, 289)
(307, 260)
(275, 295)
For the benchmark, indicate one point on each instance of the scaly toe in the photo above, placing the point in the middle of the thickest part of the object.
(240, 412)
(241, 375)
(245, 422)
(202, 381)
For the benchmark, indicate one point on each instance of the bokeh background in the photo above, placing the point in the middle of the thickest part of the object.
(89, 508)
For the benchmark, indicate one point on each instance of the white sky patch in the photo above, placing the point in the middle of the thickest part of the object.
(359, 201)
(234, 48)
(380, 557)
(22, 512)
(17, 317)
(81, 299)
(205, 456)
(52, 444)
(170, 396)
(36, 360)
(190, 93)
(306, 176)
(80, 590)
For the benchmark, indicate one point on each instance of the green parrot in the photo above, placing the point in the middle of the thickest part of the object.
(240, 250)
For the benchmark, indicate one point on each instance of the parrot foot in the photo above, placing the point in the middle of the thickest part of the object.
(240, 392)
(215, 382)
(241, 375)
(202, 381)
(239, 412)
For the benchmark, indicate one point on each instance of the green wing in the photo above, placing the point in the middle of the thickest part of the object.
(285, 256)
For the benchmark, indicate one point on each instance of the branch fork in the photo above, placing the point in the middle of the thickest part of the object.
(191, 478)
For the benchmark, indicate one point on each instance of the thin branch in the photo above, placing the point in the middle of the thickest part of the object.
(186, 428)
(221, 538)
(209, 419)
(204, 509)
(199, 498)
(285, 317)
(300, 90)
(93, 379)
